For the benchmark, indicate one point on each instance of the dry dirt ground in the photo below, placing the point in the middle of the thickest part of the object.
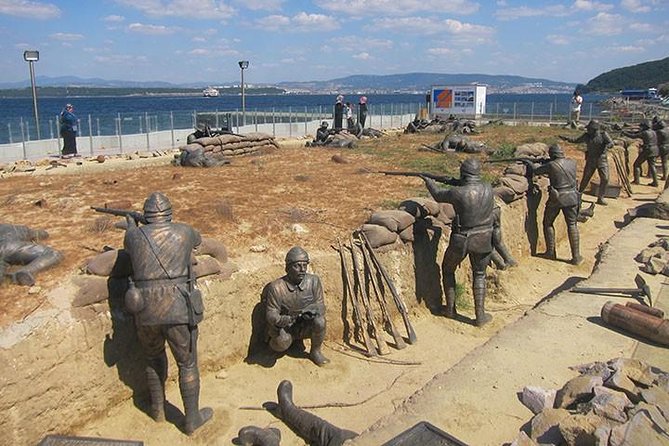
(256, 201)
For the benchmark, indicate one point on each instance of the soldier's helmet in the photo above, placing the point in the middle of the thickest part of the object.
(470, 167)
(644, 124)
(593, 125)
(555, 151)
(296, 254)
(324, 124)
(157, 208)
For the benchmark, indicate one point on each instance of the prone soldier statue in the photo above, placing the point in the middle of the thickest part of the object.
(18, 247)
(562, 196)
(597, 143)
(166, 304)
(471, 233)
(295, 308)
(648, 153)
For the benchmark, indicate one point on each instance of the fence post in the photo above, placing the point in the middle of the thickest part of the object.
(146, 123)
(290, 121)
(217, 125)
(97, 123)
(90, 133)
(532, 112)
(172, 127)
(9, 132)
(550, 114)
(305, 120)
(120, 134)
(58, 132)
(514, 111)
(255, 118)
(23, 140)
(273, 122)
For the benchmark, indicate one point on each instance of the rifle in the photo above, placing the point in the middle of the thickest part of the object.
(137, 216)
(522, 160)
(440, 178)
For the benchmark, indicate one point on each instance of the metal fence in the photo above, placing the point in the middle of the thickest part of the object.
(128, 132)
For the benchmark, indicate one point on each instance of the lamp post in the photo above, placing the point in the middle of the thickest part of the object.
(243, 65)
(31, 56)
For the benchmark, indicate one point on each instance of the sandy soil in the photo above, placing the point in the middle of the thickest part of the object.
(255, 201)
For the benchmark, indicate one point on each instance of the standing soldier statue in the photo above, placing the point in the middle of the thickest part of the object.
(648, 153)
(295, 308)
(597, 145)
(167, 306)
(562, 196)
(471, 234)
(662, 135)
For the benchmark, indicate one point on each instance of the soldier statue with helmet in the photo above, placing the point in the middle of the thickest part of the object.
(562, 196)
(662, 135)
(295, 308)
(471, 233)
(648, 152)
(597, 143)
(166, 304)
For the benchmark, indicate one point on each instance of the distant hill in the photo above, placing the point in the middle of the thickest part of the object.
(643, 75)
(421, 82)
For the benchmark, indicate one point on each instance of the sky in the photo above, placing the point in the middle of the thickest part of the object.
(182, 41)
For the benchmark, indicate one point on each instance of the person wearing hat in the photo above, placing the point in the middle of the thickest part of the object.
(295, 308)
(68, 130)
(339, 114)
(662, 135)
(322, 134)
(362, 111)
(597, 143)
(564, 197)
(471, 233)
(648, 152)
(166, 304)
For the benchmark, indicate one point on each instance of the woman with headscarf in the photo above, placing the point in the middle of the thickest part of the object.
(362, 111)
(339, 114)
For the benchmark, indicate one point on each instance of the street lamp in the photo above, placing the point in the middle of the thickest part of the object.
(243, 65)
(31, 56)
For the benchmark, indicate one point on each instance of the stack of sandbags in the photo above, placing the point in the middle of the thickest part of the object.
(386, 227)
(532, 150)
(620, 402)
(513, 184)
(226, 146)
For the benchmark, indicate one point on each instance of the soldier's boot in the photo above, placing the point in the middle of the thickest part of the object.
(482, 317)
(189, 385)
(317, 339)
(637, 175)
(602, 190)
(663, 160)
(574, 239)
(653, 173)
(257, 436)
(449, 294)
(156, 374)
(26, 274)
(549, 236)
(308, 426)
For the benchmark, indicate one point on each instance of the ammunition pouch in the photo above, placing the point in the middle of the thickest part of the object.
(563, 198)
(195, 306)
(457, 244)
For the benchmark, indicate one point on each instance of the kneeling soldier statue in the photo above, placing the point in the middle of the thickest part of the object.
(166, 304)
(471, 234)
(294, 307)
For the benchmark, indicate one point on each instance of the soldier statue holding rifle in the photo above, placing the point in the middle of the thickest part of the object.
(167, 306)
(471, 234)
(295, 308)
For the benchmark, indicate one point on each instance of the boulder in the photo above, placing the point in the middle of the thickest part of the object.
(576, 390)
(579, 429)
(545, 426)
(537, 399)
(610, 404)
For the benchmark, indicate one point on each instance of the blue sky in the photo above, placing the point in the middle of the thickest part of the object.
(298, 40)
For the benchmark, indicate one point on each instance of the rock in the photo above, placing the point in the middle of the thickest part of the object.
(594, 369)
(619, 381)
(298, 229)
(545, 426)
(35, 289)
(655, 265)
(640, 430)
(339, 159)
(537, 399)
(648, 253)
(576, 390)
(636, 370)
(41, 203)
(523, 440)
(610, 404)
(602, 435)
(579, 429)
(100, 158)
(658, 397)
(258, 248)
(221, 374)
(176, 176)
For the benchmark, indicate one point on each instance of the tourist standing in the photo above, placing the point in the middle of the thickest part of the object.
(339, 114)
(68, 131)
(362, 111)
(575, 109)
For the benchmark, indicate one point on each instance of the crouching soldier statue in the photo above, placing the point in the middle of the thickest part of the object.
(18, 247)
(471, 234)
(166, 304)
(294, 307)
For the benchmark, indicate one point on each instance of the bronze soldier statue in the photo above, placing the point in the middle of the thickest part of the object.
(597, 143)
(18, 247)
(471, 233)
(295, 308)
(501, 256)
(648, 153)
(166, 304)
(562, 196)
(662, 135)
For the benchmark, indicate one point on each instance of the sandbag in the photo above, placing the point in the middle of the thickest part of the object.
(446, 212)
(506, 194)
(191, 147)
(208, 141)
(516, 169)
(228, 139)
(113, 263)
(406, 235)
(395, 220)
(379, 235)
(518, 183)
(420, 207)
(206, 266)
(532, 149)
(213, 248)
(257, 136)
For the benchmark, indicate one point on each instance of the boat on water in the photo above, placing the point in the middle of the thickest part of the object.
(210, 92)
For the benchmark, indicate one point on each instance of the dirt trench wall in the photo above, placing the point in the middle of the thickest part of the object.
(62, 367)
